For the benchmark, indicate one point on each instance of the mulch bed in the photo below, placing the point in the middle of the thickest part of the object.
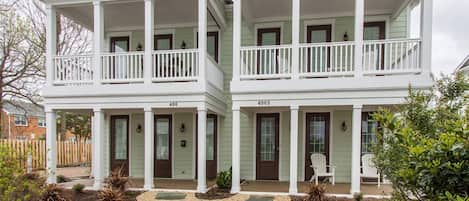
(214, 194)
(92, 195)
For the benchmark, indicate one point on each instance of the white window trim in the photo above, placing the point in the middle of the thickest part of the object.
(44, 123)
(165, 32)
(266, 26)
(25, 118)
(381, 18)
(209, 29)
(317, 23)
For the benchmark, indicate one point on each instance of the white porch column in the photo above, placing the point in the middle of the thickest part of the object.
(202, 40)
(98, 40)
(201, 158)
(51, 42)
(356, 141)
(295, 38)
(236, 38)
(93, 138)
(426, 34)
(235, 180)
(359, 24)
(98, 153)
(51, 146)
(149, 148)
(149, 27)
(293, 149)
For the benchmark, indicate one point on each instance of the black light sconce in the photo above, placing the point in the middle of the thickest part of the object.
(139, 47)
(139, 128)
(346, 36)
(344, 126)
(183, 128)
(183, 45)
(183, 143)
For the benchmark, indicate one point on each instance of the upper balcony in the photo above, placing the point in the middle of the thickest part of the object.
(310, 45)
(143, 47)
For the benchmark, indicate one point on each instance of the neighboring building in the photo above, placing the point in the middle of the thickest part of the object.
(464, 66)
(23, 121)
(272, 82)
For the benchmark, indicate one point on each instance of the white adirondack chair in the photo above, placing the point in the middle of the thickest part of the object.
(368, 168)
(319, 165)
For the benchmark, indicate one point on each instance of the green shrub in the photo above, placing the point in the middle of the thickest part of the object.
(224, 179)
(423, 149)
(14, 183)
(62, 179)
(78, 188)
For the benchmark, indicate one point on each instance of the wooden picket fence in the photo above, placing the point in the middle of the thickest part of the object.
(68, 153)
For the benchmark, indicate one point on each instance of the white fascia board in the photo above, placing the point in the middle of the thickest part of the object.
(332, 84)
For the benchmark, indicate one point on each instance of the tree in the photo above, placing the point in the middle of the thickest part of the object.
(22, 48)
(77, 124)
(423, 149)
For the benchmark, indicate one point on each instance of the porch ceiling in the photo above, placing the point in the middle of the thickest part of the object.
(130, 14)
(317, 8)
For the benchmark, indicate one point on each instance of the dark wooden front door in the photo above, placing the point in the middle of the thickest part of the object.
(319, 34)
(376, 31)
(317, 138)
(210, 147)
(267, 60)
(120, 143)
(163, 42)
(267, 146)
(163, 146)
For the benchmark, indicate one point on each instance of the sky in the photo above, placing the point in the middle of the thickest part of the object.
(450, 34)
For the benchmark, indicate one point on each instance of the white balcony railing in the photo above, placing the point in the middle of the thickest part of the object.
(331, 59)
(327, 59)
(391, 57)
(122, 67)
(70, 70)
(175, 65)
(266, 62)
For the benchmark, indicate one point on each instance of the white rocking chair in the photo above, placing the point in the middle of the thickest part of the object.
(319, 165)
(369, 170)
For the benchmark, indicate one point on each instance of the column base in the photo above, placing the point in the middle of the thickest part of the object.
(293, 191)
(98, 185)
(235, 189)
(148, 186)
(202, 189)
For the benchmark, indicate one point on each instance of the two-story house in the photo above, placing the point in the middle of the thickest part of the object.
(23, 121)
(267, 84)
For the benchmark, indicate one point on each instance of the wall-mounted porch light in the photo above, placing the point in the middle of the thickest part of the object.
(346, 36)
(344, 126)
(183, 128)
(183, 45)
(139, 128)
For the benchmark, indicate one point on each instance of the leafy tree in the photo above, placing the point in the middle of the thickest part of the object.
(423, 149)
(77, 124)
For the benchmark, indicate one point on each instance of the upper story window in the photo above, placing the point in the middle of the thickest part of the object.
(21, 120)
(41, 122)
(212, 44)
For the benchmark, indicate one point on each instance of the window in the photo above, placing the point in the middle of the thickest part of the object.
(41, 122)
(212, 44)
(369, 127)
(21, 120)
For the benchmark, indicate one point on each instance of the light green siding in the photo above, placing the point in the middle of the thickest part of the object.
(341, 147)
(137, 146)
(183, 157)
(398, 26)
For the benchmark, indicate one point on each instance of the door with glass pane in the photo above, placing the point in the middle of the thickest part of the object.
(120, 63)
(120, 143)
(163, 146)
(319, 57)
(212, 44)
(267, 62)
(210, 147)
(375, 31)
(267, 146)
(317, 139)
(165, 62)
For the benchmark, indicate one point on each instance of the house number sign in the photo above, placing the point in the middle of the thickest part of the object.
(173, 103)
(263, 102)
